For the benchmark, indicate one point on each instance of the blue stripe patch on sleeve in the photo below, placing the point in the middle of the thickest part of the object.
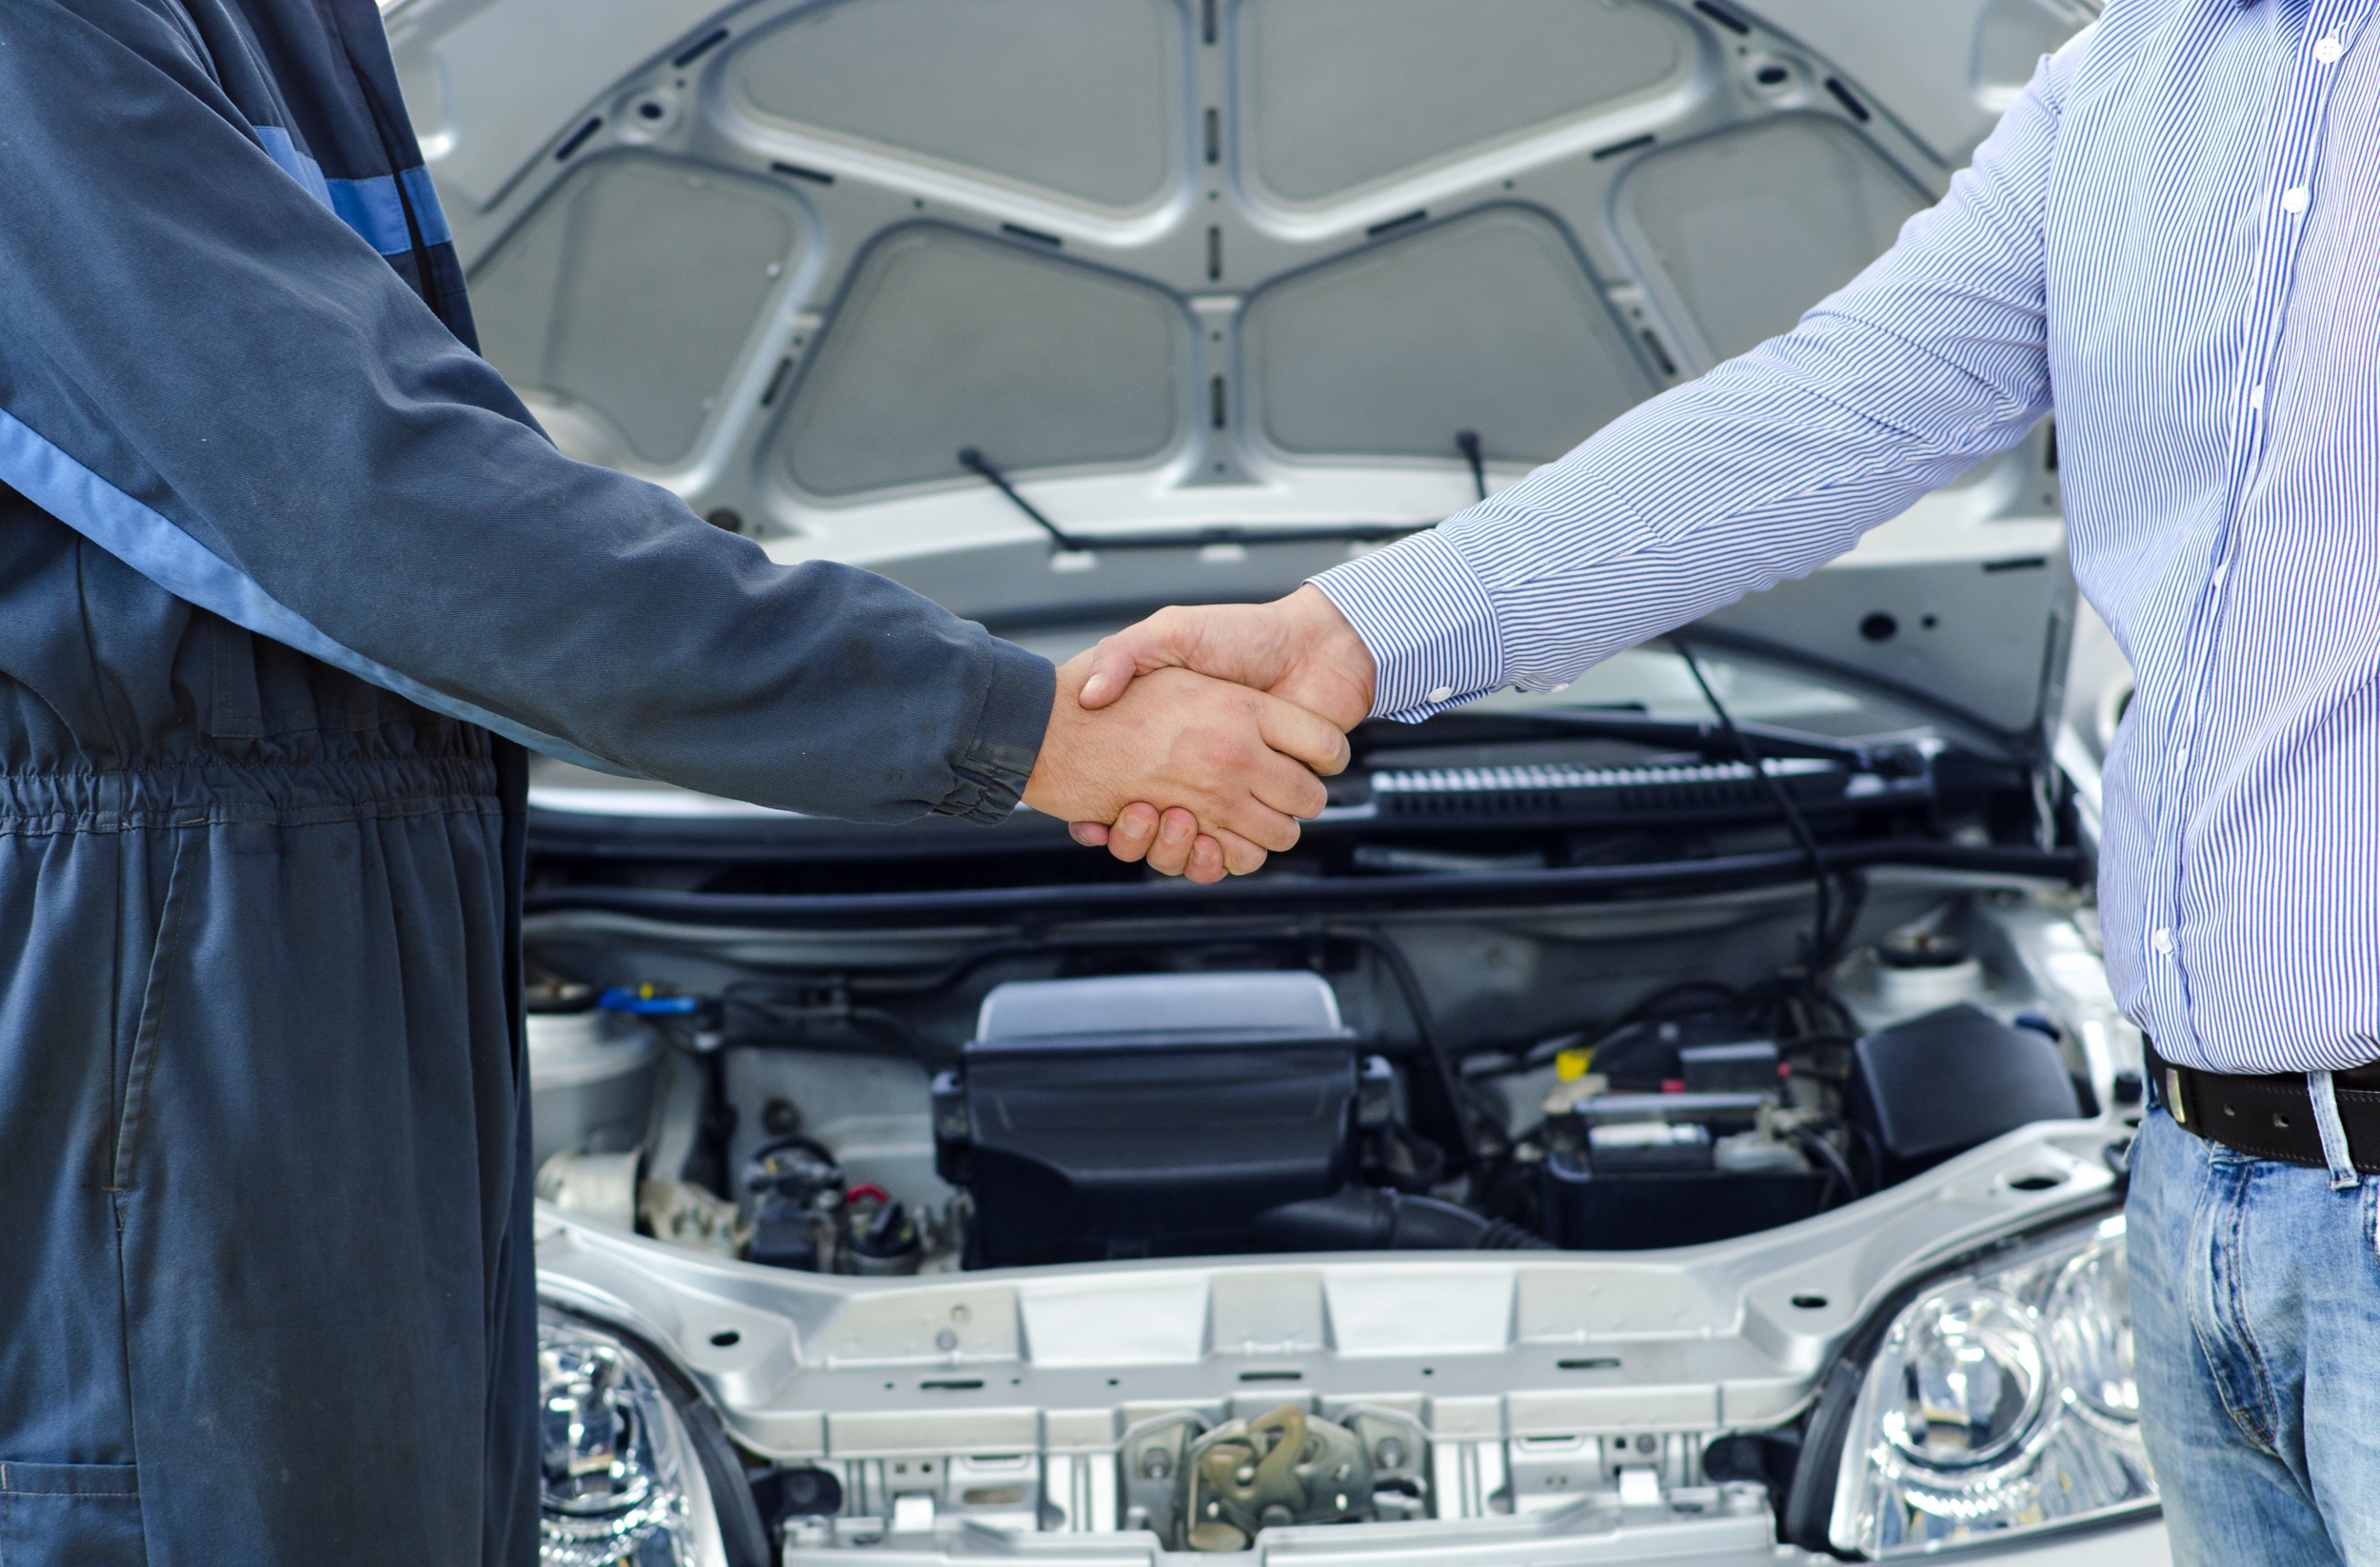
(374, 207)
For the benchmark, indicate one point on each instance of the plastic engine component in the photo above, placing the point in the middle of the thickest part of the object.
(1589, 1206)
(1624, 1172)
(1368, 1218)
(1943, 1083)
(1150, 1115)
(1749, 1068)
(795, 1194)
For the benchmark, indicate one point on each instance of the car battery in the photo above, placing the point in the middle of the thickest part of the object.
(1628, 1172)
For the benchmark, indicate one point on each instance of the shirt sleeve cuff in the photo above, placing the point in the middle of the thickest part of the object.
(1428, 622)
(988, 778)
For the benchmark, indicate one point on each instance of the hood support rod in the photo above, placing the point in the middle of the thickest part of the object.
(972, 458)
(1467, 442)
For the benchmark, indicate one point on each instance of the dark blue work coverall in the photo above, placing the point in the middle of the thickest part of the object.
(284, 573)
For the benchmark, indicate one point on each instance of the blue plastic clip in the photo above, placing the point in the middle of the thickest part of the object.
(642, 1003)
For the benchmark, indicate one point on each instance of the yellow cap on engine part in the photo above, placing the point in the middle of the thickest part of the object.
(1570, 1066)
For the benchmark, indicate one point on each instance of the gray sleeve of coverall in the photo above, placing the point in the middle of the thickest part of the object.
(209, 374)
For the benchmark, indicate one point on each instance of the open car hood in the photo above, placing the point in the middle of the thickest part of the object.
(1248, 266)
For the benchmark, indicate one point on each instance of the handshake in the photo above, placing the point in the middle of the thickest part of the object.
(1196, 738)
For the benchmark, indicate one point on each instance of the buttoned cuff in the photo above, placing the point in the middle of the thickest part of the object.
(1428, 622)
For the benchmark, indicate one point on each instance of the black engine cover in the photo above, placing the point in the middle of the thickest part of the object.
(1940, 1083)
(1153, 1115)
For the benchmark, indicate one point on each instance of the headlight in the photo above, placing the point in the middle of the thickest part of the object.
(620, 1482)
(1999, 1400)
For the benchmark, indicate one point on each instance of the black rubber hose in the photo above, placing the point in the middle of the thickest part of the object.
(1818, 1147)
(1823, 890)
(1417, 1008)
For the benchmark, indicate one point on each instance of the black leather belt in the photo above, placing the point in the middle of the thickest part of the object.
(2271, 1116)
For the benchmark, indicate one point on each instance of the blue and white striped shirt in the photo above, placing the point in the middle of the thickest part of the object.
(2177, 228)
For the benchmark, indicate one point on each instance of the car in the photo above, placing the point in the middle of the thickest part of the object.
(1682, 1117)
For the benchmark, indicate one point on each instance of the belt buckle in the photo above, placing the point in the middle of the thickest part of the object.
(2174, 1096)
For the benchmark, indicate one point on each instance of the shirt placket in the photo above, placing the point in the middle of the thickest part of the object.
(2287, 195)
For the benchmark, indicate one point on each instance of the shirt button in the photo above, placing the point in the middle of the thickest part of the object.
(1557, 691)
(2256, 397)
(2222, 571)
(2329, 50)
(2161, 942)
(1441, 693)
(2294, 199)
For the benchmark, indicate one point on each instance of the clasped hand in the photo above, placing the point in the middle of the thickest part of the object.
(1196, 739)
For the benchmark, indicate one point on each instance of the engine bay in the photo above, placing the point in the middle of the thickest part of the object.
(1095, 1097)
(1358, 1192)
(1606, 978)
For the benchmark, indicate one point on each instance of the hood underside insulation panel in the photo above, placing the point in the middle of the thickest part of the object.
(1183, 264)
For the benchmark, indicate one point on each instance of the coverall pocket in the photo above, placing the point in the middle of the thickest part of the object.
(71, 1515)
(134, 1107)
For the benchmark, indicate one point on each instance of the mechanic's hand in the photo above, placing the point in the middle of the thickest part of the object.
(1238, 764)
(1299, 649)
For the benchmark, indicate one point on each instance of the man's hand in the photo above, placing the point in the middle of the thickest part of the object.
(1299, 649)
(1238, 766)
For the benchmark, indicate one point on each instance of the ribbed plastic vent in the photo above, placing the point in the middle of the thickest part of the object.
(1477, 793)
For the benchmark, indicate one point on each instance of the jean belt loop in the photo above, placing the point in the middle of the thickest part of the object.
(2333, 1131)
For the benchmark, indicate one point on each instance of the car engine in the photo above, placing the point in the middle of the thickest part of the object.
(1187, 1112)
(995, 1205)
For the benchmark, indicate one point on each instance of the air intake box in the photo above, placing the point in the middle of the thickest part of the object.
(1151, 1115)
(1942, 1083)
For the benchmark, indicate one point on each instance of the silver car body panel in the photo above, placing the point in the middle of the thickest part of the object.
(1706, 1338)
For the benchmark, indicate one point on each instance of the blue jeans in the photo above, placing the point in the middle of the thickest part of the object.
(2255, 1289)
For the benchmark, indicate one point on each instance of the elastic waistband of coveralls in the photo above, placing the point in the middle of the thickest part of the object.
(202, 790)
